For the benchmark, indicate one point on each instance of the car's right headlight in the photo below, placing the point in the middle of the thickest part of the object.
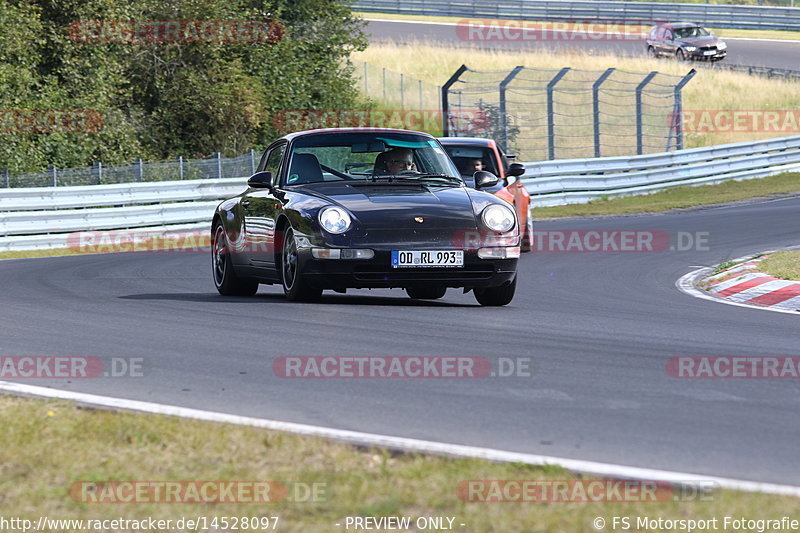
(334, 219)
(691, 48)
(498, 218)
(722, 45)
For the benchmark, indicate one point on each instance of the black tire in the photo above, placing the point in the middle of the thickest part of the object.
(680, 55)
(295, 287)
(651, 52)
(426, 293)
(225, 278)
(496, 296)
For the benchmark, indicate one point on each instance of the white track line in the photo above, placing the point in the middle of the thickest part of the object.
(405, 444)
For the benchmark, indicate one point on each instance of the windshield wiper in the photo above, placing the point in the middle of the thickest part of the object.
(416, 178)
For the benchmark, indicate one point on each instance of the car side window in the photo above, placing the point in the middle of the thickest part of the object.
(668, 35)
(274, 161)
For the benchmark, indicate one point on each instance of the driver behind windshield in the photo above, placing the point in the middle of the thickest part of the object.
(394, 161)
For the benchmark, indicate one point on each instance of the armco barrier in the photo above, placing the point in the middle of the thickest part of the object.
(41, 218)
(713, 15)
(568, 181)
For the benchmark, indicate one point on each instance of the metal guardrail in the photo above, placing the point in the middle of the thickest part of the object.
(41, 218)
(714, 15)
(45, 217)
(570, 181)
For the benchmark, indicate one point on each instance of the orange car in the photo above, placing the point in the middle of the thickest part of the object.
(471, 154)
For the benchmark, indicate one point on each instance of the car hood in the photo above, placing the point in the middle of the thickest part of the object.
(397, 206)
(709, 40)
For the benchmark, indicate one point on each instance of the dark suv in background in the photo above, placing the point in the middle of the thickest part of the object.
(685, 40)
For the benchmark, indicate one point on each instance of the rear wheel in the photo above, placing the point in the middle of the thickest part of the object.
(225, 278)
(294, 286)
(426, 293)
(496, 296)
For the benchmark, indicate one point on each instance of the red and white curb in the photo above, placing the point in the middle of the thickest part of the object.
(743, 284)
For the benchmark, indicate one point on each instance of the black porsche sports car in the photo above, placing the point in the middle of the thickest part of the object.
(365, 208)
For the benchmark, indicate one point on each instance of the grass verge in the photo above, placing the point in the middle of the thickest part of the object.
(784, 265)
(46, 446)
(719, 32)
(679, 197)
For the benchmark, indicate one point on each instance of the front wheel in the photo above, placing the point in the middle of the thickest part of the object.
(651, 52)
(426, 293)
(295, 287)
(496, 296)
(680, 55)
(226, 280)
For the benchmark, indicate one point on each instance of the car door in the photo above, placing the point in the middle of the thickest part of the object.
(669, 43)
(260, 209)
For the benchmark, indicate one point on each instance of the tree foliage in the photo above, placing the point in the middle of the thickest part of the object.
(163, 99)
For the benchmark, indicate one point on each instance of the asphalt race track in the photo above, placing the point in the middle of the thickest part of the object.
(775, 54)
(599, 327)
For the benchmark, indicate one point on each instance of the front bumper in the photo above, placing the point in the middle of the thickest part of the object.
(698, 55)
(378, 273)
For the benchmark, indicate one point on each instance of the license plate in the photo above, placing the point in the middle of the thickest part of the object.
(709, 53)
(427, 258)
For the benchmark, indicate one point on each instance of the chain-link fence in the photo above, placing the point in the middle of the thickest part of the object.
(138, 171)
(396, 90)
(568, 113)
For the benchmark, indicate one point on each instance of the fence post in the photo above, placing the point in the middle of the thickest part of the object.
(218, 156)
(445, 100)
(639, 126)
(679, 109)
(551, 125)
(503, 111)
(139, 169)
(252, 161)
(596, 108)
(180, 167)
(53, 175)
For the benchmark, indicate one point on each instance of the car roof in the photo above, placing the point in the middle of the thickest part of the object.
(681, 24)
(326, 131)
(472, 141)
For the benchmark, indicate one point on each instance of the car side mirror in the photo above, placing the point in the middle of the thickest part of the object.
(485, 179)
(260, 180)
(516, 169)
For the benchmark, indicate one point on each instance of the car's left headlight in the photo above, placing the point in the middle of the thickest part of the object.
(691, 48)
(334, 219)
(498, 218)
(722, 45)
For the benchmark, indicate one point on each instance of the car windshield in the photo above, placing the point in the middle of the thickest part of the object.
(692, 31)
(369, 156)
(469, 159)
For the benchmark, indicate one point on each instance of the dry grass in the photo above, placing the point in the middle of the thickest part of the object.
(45, 446)
(679, 197)
(784, 265)
(709, 90)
